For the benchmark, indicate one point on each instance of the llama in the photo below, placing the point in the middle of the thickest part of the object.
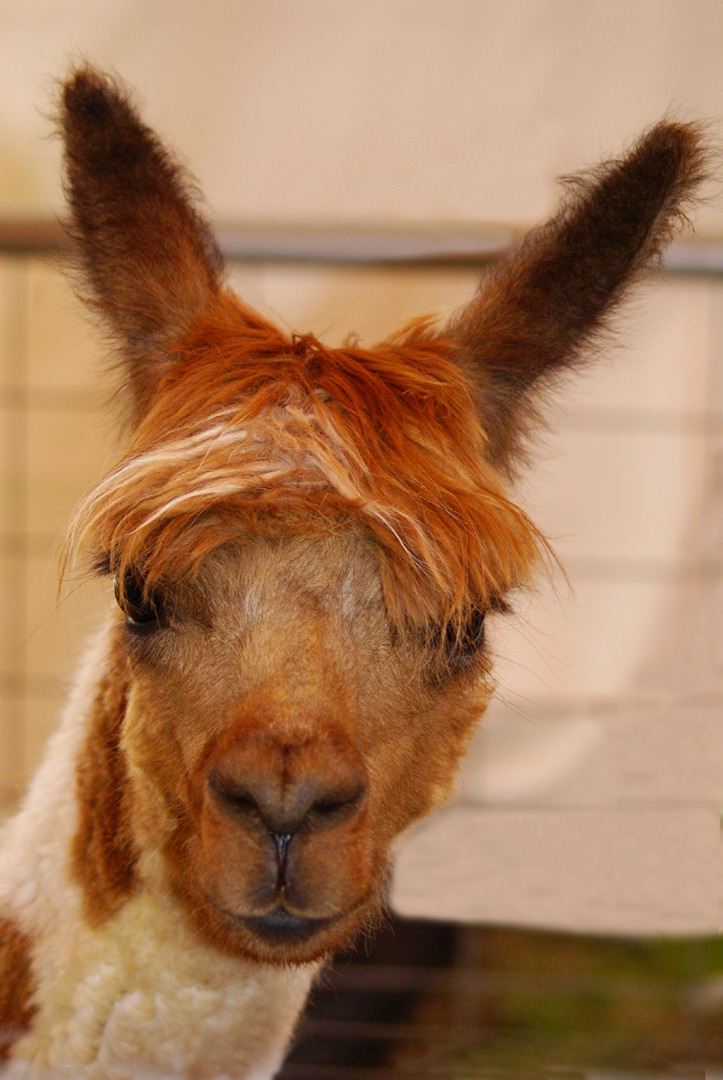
(305, 543)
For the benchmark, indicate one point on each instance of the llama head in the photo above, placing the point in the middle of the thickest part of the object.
(306, 541)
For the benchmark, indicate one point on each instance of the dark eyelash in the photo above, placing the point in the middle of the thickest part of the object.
(471, 638)
(143, 608)
(463, 644)
(102, 566)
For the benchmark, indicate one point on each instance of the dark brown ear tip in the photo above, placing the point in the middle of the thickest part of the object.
(683, 146)
(90, 97)
(675, 138)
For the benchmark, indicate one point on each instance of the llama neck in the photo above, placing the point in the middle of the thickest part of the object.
(39, 889)
(138, 991)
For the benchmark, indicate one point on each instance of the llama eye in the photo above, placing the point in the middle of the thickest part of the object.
(143, 609)
(463, 646)
(455, 647)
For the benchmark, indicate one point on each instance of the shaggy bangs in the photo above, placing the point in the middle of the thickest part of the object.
(252, 430)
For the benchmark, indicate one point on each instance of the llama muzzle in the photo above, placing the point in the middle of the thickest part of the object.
(285, 849)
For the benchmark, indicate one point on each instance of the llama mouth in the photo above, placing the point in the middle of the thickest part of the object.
(281, 927)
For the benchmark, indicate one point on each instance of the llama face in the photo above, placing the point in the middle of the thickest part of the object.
(280, 733)
(306, 542)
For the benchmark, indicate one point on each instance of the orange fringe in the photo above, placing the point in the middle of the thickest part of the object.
(254, 430)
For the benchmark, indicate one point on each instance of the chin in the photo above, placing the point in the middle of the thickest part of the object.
(282, 938)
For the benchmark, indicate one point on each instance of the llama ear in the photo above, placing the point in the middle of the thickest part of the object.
(535, 313)
(148, 261)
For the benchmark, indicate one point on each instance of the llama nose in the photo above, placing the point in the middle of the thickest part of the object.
(289, 788)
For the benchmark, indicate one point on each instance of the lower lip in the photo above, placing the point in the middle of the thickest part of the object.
(282, 928)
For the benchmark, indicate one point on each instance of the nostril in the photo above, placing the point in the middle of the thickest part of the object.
(232, 796)
(284, 805)
(337, 806)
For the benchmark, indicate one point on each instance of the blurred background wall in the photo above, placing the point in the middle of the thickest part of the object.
(593, 794)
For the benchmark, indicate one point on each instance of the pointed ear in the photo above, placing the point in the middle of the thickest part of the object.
(148, 261)
(535, 313)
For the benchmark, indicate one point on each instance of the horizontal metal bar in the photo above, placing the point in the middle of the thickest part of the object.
(385, 244)
(380, 244)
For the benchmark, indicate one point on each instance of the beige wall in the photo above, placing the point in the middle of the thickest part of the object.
(399, 110)
(462, 109)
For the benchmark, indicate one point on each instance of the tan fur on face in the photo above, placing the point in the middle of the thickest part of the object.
(17, 985)
(295, 647)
